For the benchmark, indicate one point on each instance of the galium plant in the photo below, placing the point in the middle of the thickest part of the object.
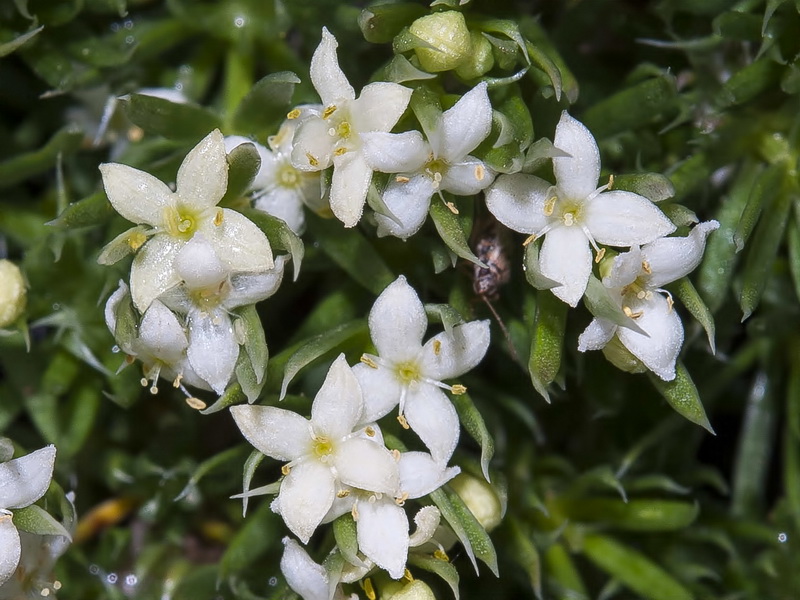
(523, 184)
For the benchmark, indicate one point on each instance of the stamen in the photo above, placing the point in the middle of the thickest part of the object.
(401, 501)
(403, 423)
(370, 431)
(154, 390)
(531, 238)
(402, 179)
(177, 382)
(549, 206)
(293, 114)
(354, 512)
(328, 111)
(480, 172)
(368, 589)
(458, 390)
(339, 151)
(451, 207)
(368, 361)
(143, 381)
(599, 256)
(610, 183)
(312, 159)
(396, 455)
(195, 403)
(441, 555)
(218, 217)
(407, 575)
(437, 347)
(286, 469)
(641, 294)
(342, 493)
(629, 313)
(569, 219)
(646, 267)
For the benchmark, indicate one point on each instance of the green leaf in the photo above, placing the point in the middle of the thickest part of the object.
(92, 210)
(247, 378)
(260, 532)
(451, 231)
(400, 70)
(158, 116)
(638, 514)
(255, 342)
(250, 466)
(427, 108)
(547, 342)
(23, 166)
(682, 395)
(469, 531)
(444, 314)
(563, 572)
(344, 532)
(526, 554)
(34, 519)
(633, 569)
(439, 567)
(541, 151)
(280, 236)
(233, 395)
(243, 164)
(764, 186)
(9, 47)
(206, 467)
(688, 295)
(532, 272)
(653, 186)
(352, 252)
(473, 422)
(545, 64)
(748, 82)
(265, 104)
(317, 347)
(538, 37)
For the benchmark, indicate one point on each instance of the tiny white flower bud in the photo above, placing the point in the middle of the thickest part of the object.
(13, 295)
(413, 590)
(480, 498)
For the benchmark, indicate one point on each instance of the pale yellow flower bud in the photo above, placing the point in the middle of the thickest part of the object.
(619, 356)
(481, 59)
(402, 590)
(12, 293)
(448, 34)
(480, 498)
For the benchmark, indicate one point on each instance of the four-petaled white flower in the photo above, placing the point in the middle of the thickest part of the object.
(382, 528)
(410, 375)
(206, 296)
(308, 579)
(322, 453)
(175, 217)
(334, 136)
(442, 163)
(635, 280)
(279, 189)
(574, 215)
(22, 482)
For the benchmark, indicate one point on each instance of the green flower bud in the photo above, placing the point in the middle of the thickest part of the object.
(481, 59)
(449, 37)
(480, 498)
(12, 293)
(414, 590)
(619, 356)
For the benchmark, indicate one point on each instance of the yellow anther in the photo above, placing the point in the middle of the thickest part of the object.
(154, 390)
(452, 207)
(600, 254)
(441, 555)
(403, 423)
(396, 455)
(369, 590)
(286, 469)
(45, 592)
(610, 181)
(218, 217)
(370, 431)
(143, 381)
(176, 383)
(196, 403)
(402, 499)
(641, 295)
(135, 240)
(401, 179)
(293, 114)
(339, 151)
(629, 313)
(56, 585)
(328, 111)
(437, 347)
(368, 361)
(407, 575)
(550, 205)
(342, 493)
(354, 512)
(312, 160)
(670, 302)
(646, 267)
(480, 172)
(529, 239)
(458, 390)
(135, 134)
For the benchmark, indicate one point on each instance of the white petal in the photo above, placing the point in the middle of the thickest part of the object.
(313, 145)
(397, 322)
(431, 415)
(620, 218)
(213, 348)
(161, 334)
(326, 75)
(238, 242)
(577, 175)
(341, 506)
(517, 201)
(338, 405)
(153, 269)
(395, 152)
(596, 335)
(9, 548)
(136, 195)
(381, 391)
(465, 125)
(366, 465)
(250, 288)
(449, 355)
(349, 185)
(409, 201)
(659, 351)
(286, 204)
(276, 432)
(382, 532)
(467, 177)
(203, 176)
(306, 495)
(625, 268)
(110, 312)
(566, 258)
(672, 258)
(380, 106)
(198, 264)
(25, 479)
(420, 474)
(304, 576)
(427, 521)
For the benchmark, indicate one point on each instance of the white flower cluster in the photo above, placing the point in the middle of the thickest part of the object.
(195, 263)
(575, 216)
(336, 462)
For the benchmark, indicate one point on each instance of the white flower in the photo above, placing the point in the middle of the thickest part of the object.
(22, 482)
(410, 375)
(279, 189)
(443, 163)
(574, 215)
(636, 279)
(334, 137)
(206, 296)
(175, 217)
(382, 528)
(323, 453)
(308, 579)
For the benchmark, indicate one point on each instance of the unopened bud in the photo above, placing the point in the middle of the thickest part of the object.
(449, 37)
(481, 59)
(480, 498)
(402, 590)
(13, 295)
(619, 356)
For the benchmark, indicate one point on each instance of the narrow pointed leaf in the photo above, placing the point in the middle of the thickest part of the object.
(173, 120)
(689, 297)
(561, 570)
(23, 166)
(473, 422)
(34, 519)
(547, 343)
(653, 186)
(280, 236)
(243, 164)
(451, 231)
(633, 515)
(442, 568)
(682, 395)
(344, 532)
(266, 104)
(9, 47)
(600, 303)
(250, 466)
(526, 555)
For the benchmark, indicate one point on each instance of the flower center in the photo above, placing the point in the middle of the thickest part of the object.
(288, 176)
(322, 447)
(210, 296)
(180, 221)
(436, 169)
(407, 372)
